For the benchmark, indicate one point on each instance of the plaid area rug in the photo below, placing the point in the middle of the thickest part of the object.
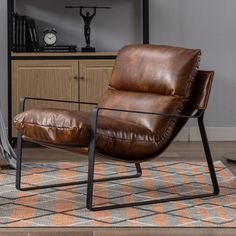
(66, 206)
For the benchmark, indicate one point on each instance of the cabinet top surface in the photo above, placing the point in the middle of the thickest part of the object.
(61, 54)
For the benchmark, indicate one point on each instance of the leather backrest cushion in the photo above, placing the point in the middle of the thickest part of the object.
(202, 89)
(199, 98)
(163, 70)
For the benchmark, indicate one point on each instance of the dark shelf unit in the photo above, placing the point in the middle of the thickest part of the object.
(10, 10)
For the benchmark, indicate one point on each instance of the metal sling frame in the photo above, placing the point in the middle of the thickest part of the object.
(199, 115)
(19, 155)
(92, 151)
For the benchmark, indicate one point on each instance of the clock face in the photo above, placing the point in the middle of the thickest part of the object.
(50, 38)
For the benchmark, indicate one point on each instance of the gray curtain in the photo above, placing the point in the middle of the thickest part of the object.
(6, 152)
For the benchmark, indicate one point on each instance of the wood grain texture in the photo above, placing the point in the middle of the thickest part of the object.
(94, 80)
(119, 232)
(166, 232)
(44, 79)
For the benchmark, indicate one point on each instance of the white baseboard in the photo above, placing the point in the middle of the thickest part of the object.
(216, 134)
(183, 135)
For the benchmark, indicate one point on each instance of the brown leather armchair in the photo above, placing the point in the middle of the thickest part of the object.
(153, 92)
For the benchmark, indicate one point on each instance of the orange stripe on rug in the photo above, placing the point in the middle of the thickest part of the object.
(27, 212)
(63, 205)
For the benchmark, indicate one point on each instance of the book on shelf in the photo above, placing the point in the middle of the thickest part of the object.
(32, 36)
(25, 37)
(13, 31)
(17, 32)
(24, 21)
(24, 34)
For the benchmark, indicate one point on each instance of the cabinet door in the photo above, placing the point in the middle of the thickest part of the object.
(94, 80)
(54, 79)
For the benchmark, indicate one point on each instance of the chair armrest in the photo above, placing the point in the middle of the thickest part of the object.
(24, 99)
(195, 116)
(95, 112)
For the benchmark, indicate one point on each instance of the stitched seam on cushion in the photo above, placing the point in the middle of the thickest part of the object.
(191, 79)
(97, 133)
(59, 127)
(178, 109)
(49, 126)
(127, 140)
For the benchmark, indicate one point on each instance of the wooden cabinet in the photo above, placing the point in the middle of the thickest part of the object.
(73, 80)
(94, 80)
(44, 79)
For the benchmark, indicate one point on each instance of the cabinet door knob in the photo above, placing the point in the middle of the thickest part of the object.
(82, 78)
(76, 77)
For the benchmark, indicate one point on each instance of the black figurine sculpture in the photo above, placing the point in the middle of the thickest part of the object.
(88, 17)
(87, 22)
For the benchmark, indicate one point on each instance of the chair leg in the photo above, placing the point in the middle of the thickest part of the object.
(91, 160)
(18, 161)
(208, 155)
(19, 170)
(188, 197)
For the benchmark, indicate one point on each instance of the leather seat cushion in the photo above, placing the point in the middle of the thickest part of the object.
(56, 126)
(118, 138)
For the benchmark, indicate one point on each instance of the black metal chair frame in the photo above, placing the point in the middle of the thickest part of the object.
(19, 155)
(199, 115)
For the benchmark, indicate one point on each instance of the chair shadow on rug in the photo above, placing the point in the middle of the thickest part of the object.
(154, 91)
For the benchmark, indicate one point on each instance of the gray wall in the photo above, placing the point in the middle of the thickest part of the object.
(205, 24)
(209, 25)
